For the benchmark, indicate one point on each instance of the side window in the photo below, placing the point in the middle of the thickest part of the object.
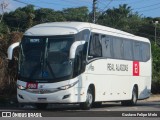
(128, 54)
(95, 48)
(106, 46)
(145, 52)
(118, 48)
(137, 51)
(83, 35)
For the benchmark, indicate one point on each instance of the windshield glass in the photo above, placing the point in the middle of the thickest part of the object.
(45, 59)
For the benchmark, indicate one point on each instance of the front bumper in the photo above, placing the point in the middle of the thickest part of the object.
(72, 95)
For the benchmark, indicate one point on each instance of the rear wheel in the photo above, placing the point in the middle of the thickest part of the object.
(41, 105)
(133, 101)
(88, 103)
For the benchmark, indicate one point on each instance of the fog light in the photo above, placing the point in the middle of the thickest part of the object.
(66, 96)
(20, 96)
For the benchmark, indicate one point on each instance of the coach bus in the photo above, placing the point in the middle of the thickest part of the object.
(82, 63)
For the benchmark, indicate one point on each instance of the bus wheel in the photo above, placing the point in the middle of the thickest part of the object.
(133, 101)
(87, 105)
(41, 105)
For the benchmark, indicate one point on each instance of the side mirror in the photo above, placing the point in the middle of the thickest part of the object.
(74, 47)
(10, 50)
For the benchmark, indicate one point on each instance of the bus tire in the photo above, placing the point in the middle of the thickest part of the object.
(89, 101)
(133, 101)
(41, 106)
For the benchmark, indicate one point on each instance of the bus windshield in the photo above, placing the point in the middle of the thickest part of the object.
(45, 59)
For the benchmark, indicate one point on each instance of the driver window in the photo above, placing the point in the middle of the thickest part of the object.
(95, 47)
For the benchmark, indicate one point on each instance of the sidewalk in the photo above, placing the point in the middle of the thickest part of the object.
(153, 98)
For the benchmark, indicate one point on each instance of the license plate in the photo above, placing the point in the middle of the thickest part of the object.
(32, 85)
(42, 99)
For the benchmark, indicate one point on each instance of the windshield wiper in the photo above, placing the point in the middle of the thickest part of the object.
(50, 69)
(22, 53)
(45, 58)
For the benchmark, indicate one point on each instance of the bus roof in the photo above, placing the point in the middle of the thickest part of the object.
(66, 28)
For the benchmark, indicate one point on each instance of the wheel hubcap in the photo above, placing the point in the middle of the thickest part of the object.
(134, 98)
(90, 98)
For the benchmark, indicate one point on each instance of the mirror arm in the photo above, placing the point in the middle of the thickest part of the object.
(74, 47)
(10, 50)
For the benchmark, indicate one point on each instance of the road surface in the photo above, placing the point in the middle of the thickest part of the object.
(145, 109)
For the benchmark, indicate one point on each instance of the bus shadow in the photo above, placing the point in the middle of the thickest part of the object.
(76, 107)
(68, 107)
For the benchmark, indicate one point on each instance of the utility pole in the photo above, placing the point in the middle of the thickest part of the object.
(94, 10)
(155, 23)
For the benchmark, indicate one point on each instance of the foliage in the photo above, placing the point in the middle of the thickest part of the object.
(44, 15)
(121, 18)
(156, 69)
(76, 14)
(8, 74)
(3, 29)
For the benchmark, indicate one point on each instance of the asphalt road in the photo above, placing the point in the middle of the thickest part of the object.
(108, 109)
(144, 110)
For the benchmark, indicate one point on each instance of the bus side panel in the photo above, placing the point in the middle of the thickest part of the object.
(112, 79)
(145, 79)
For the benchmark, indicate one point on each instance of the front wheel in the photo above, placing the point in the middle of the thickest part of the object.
(133, 101)
(88, 103)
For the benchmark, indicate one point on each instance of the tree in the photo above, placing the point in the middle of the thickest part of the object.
(48, 15)
(116, 17)
(20, 19)
(155, 69)
(121, 18)
(44, 15)
(3, 29)
(76, 14)
(29, 11)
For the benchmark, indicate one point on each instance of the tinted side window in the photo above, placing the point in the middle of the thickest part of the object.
(118, 48)
(83, 35)
(145, 52)
(137, 51)
(95, 48)
(106, 46)
(128, 54)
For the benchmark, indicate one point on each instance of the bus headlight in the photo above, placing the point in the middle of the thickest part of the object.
(21, 87)
(67, 86)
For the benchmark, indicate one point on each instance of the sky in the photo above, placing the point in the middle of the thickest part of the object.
(146, 8)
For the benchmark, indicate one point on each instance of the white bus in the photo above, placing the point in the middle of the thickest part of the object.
(84, 63)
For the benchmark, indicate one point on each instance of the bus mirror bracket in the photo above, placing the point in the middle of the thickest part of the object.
(10, 50)
(74, 47)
